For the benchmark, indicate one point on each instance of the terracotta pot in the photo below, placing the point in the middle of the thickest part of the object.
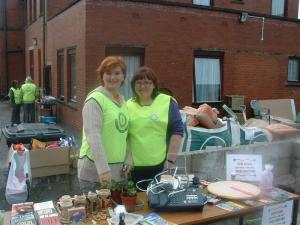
(129, 202)
(116, 196)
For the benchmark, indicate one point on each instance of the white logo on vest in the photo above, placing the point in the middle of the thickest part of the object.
(153, 117)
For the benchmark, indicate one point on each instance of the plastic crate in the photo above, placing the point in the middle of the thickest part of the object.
(234, 101)
(48, 119)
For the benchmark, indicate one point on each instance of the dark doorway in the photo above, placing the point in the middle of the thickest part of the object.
(31, 64)
(47, 81)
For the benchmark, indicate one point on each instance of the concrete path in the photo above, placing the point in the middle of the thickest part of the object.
(43, 189)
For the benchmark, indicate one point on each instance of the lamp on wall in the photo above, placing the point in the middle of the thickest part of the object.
(244, 17)
(34, 41)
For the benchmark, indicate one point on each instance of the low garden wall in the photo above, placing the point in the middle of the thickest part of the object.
(284, 155)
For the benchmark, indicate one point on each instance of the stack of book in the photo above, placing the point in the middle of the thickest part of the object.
(46, 214)
(22, 214)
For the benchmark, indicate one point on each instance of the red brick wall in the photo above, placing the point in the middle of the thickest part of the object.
(292, 8)
(35, 31)
(170, 34)
(64, 33)
(2, 86)
(254, 68)
(264, 6)
(54, 6)
(16, 72)
(15, 9)
(15, 41)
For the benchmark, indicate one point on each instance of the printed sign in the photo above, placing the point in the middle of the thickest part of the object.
(279, 214)
(243, 167)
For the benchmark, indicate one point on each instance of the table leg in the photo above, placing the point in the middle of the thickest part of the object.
(241, 220)
(295, 212)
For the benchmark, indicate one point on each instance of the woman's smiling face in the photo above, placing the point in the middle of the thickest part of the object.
(113, 78)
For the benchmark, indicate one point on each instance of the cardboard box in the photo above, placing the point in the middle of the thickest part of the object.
(234, 101)
(52, 161)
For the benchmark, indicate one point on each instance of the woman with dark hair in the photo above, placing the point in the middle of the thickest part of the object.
(155, 127)
(105, 127)
(15, 100)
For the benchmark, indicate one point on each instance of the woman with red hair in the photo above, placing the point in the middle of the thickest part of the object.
(105, 128)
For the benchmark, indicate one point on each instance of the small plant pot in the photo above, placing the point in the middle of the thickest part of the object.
(129, 202)
(116, 196)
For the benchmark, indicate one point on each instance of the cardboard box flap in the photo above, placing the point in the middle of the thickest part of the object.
(50, 157)
(284, 108)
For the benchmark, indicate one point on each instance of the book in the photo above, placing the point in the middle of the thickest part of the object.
(229, 206)
(46, 214)
(22, 214)
(155, 219)
(235, 205)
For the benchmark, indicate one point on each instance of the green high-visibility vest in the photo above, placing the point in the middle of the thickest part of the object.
(28, 90)
(17, 95)
(114, 130)
(148, 131)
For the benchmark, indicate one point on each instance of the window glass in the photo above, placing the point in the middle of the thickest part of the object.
(72, 75)
(208, 80)
(293, 70)
(60, 75)
(202, 2)
(278, 7)
(132, 64)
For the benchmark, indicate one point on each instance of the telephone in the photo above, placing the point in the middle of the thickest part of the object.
(188, 198)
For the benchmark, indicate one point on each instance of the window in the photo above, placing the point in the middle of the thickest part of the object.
(278, 7)
(133, 58)
(207, 80)
(202, 2)
(60, 75)
(293, 70)
(42, 5)
(29, 11)
(72, 93)
(33, 10)
(31, 64)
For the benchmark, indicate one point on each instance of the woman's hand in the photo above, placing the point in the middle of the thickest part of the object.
(126, 169)
(106, 177)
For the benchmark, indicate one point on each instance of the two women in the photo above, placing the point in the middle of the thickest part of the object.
(155, 128)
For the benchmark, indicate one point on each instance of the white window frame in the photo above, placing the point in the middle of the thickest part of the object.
(72, 76)
(133, 62)
(202, 2)
(208, 71)
(293, 69)
(278, 7)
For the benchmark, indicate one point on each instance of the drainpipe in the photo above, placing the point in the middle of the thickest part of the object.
(5, 47)
(44, 42)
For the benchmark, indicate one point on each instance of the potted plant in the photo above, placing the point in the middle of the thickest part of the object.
(128, 196)
(116, 189)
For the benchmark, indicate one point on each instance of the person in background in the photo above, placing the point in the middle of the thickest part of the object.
(155, 127)
(15, 100)
(28, 95)
(105, 128)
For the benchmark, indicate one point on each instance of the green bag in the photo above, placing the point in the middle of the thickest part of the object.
(196, 138)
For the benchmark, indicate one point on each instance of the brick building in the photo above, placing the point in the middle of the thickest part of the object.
(12, 42)
(202, 50)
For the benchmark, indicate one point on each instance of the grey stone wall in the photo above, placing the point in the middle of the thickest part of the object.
(284, 155)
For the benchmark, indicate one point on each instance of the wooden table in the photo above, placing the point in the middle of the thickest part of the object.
(212, 213)
(209, 214)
